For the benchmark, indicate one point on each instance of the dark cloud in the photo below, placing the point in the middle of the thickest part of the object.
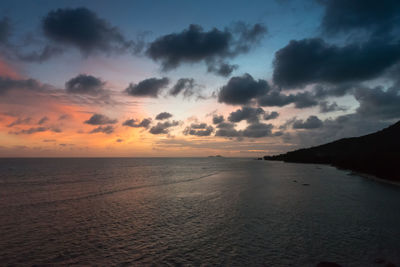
(85, 84)
(147, 88)
(99, 119)
(8, 84)
(103, 129)
(195, 45)
(56, 129)
(312, 122)
(64, 117)
(43, 120)
(240, 90)
(14, 51)
(257, 130)
(31, 130)
(119, 140)
(278, 133)
(34, 130)
(249, 34)
(378, 17)
(253, 130)
(276, 98)
(323, 91)
(163, 116)
(314, 61)
(271, 115)
(325, 107)
(184, 85)
(163, 127)
(145, 123)
(226, 129)
(217, 119)
(244, 89)
(20, 121)
(190, 45)
(304, 100)
(222, 69)
(200, 129)
(5, 30)
(378, 103)
(198, 125)
(40, 56)
(82, 28)
(246, 113)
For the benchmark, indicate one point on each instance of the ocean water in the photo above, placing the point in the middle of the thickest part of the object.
(204, 211)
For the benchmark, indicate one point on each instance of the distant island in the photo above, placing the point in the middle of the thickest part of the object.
(377, 154)
(216, 156)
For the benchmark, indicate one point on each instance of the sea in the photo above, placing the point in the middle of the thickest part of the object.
(193, 212)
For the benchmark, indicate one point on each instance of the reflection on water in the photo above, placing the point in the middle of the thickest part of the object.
(192, 211)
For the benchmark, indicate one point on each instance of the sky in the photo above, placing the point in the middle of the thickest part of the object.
(194, 78)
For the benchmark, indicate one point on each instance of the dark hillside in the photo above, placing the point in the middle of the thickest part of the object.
(377, 153)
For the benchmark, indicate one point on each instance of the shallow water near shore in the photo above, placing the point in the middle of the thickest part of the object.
(211, 211)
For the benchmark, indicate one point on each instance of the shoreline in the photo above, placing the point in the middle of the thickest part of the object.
(372, 177)
(351, 172)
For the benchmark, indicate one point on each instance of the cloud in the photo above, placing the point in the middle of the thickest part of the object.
(378, 17)
(246, 113)
(200, 129)
(163, 116)
(312, 122)
(222, 69)
(64, 117)
(248, 34)
(14, 51)
(325, 107)
(147, 88)
(184, 85)
(378, 103)
(99, 119)
(217, 119)
(226, 129)
(8, 84)
(20, 121)
(276, 98)
(103, 129)
(85, 84)
(163, 127)
(271, 115)
(257, 130)
(253, 130)
(34, 130)
(314, 61)
(82, 28)
(322, 91)
(47, 52)
(145, 123)
(43, 120)
(240, 90)
(5, 30)
(304, 100)
(194, 45)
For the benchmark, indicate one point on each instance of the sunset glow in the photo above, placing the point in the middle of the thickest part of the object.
(125, 67)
